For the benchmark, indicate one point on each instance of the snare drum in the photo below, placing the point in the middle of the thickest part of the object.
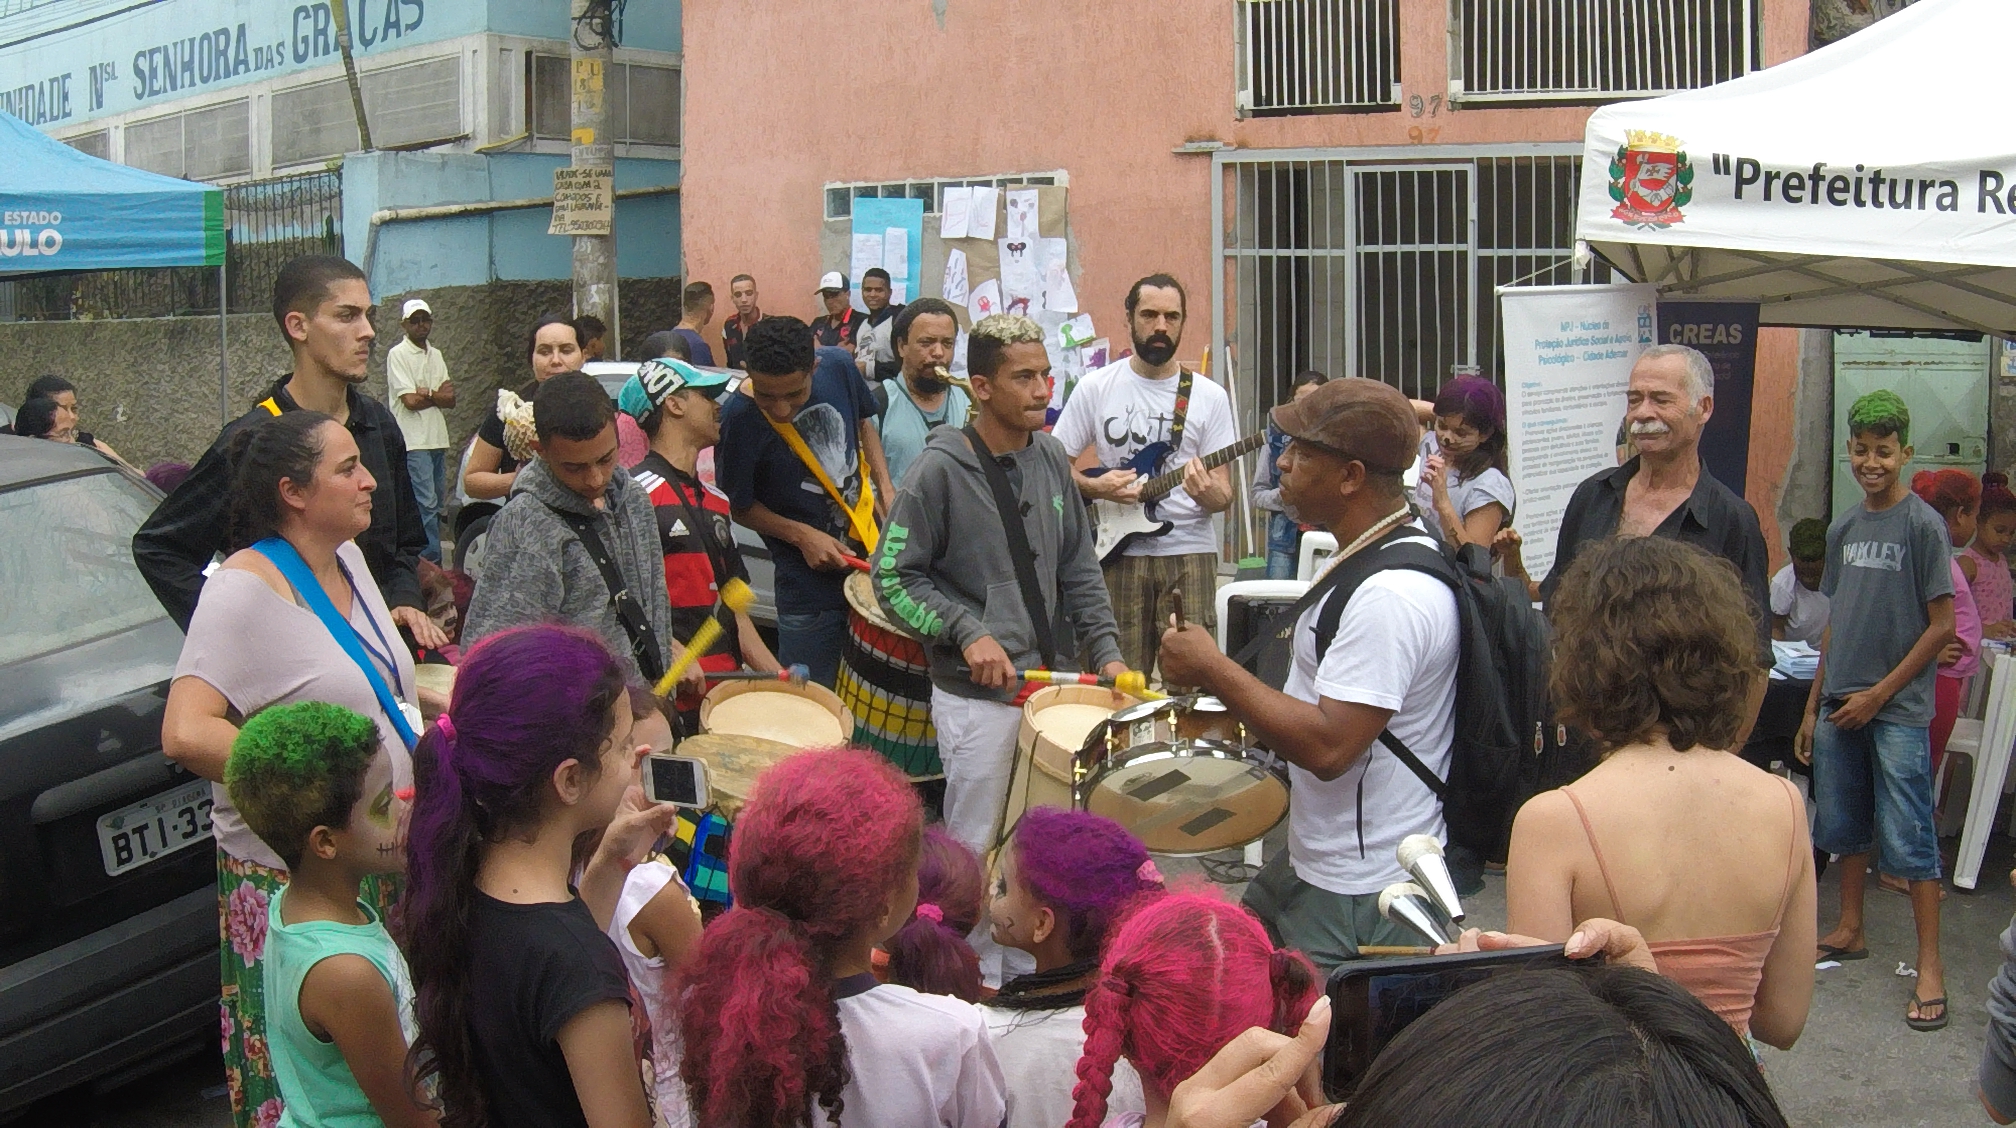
(1150, 722)
(1187, 797)
(885, 681)
(799, 716)
(1207, 718)
(1056, 722)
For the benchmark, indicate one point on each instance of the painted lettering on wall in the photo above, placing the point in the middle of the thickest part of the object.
(228, 52)
(39, 103)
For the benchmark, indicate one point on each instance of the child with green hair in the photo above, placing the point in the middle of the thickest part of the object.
(312, 782)
(1867, 730)
(1798, 610)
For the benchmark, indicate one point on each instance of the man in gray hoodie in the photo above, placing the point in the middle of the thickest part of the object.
(945, 570)
(537, 563)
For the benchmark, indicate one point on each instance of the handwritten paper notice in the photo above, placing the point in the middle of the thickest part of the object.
(867, 256)
(584, 202)
(896, 255)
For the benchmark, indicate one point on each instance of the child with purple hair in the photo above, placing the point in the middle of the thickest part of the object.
(1465, 490)
(1064, 878)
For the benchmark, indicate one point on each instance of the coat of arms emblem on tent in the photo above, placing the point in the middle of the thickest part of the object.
(1651, 179)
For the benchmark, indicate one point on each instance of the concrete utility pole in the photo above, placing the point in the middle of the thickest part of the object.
(593, 37)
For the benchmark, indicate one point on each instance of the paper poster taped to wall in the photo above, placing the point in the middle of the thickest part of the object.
(896, 254)
(980, 221)
(1054, 260)
(1022, 214)
(986, 300)
(956, 213)
(1021, 278)
(955, 288)
(867, 256)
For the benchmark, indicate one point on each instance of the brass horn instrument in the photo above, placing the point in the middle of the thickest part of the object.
(972, 401)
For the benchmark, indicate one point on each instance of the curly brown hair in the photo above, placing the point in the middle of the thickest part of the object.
(1653, 637)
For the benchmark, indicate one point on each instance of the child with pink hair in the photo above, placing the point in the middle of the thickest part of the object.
(1062, 880)
(1182, 977)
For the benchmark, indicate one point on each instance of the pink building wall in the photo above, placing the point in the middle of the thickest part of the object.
(785, 96)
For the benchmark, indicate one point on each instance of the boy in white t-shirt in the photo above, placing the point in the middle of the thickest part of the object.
(1390, 666)
(1115, 412)
(1798, 607)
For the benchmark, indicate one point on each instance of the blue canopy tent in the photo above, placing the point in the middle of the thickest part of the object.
(62, 210)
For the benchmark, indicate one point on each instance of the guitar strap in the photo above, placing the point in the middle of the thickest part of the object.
(860, 515)
(1019, 551)
(1183, 382)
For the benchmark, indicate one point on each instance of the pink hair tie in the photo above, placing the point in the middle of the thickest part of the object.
(1147, 873)
(447, 728)
(928, 911)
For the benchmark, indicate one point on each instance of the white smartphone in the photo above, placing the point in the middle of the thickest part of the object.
(678, 780)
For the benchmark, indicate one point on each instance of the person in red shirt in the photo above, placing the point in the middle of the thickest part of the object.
(836, 329)
(674, 403)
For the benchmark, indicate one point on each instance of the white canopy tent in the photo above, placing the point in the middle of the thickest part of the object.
(1869, 184)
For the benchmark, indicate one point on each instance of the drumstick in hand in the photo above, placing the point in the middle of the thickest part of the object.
(736, 596)
(1132, 682)
(794, 674)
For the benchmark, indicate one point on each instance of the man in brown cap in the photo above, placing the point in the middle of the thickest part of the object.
(1375, 653)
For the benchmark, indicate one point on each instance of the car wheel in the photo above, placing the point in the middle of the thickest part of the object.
(469, 546)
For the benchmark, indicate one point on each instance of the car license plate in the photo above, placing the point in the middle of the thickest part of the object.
(132, 836)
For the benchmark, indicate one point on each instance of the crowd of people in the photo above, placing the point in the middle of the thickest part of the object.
(458, 909)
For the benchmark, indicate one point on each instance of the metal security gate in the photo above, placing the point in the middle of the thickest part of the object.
(1381, 263)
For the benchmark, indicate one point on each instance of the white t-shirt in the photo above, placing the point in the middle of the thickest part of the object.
(1039, 1052)
(1396, 648)
(1805, 610)
(647, 977)
(918, 1060)
(1468, 495)
(1119, 412)
(408, 370)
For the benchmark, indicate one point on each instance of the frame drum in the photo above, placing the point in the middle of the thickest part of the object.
(801, 716)
(1056, 722)
(733, 763)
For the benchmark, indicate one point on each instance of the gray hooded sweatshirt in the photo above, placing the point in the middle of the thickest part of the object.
(943, 569)
(535, 570)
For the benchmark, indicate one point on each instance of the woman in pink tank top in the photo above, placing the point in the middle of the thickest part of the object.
(1655, 655)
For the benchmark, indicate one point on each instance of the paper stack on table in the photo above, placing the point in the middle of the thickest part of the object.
(1795, 659)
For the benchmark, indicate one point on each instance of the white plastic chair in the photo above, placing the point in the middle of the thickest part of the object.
(1990, 753)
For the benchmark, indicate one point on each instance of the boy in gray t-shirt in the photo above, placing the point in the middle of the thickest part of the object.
(1868, 721)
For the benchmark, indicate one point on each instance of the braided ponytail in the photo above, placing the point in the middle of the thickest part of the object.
(1105, 1039)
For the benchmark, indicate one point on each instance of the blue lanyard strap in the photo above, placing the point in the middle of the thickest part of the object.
(297, 573)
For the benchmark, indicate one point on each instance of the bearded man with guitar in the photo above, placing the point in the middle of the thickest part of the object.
(1142, 409)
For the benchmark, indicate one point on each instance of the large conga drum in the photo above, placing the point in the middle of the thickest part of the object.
(885, 681)
(1056, 722)
(799, 716)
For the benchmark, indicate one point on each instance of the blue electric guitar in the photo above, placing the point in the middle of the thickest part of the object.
(1117, 524)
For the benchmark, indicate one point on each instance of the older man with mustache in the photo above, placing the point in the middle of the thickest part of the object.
(1665, 491)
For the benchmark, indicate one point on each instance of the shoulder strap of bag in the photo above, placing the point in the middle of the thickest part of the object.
(629, 611)
(860, 515)
(297, 573)
(1019, 551)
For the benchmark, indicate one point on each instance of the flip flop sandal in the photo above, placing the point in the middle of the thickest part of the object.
(1830, 952)
(1928, 1023)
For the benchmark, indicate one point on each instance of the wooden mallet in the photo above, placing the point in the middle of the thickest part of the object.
(736, 596)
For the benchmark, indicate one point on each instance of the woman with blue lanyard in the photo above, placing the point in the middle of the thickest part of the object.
(291, 615)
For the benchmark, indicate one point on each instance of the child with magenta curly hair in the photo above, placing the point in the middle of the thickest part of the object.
(930, 954)
(1183, 975)
(522, 1001)
(781, 1011)
(1062, 880)
(313, 784)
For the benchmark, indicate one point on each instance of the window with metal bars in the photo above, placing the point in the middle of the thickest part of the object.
(1588, 50)
(97, 143)
(840, 197)
(203, 144)
(1388, 268)
(643, 101)
(408, 106)
(1318, 56)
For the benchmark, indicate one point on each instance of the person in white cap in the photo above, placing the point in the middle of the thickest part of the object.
(416, 377)
(837, 328)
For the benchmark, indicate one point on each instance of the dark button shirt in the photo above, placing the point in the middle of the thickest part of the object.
(837, 332)
(732, 333)
(1712, 518)
(193, 524)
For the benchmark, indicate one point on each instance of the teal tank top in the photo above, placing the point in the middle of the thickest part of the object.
(316, 1084)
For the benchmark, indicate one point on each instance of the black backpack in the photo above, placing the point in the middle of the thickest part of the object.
(1506, 741)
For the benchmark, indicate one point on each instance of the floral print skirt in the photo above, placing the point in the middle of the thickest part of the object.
(244, 890)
